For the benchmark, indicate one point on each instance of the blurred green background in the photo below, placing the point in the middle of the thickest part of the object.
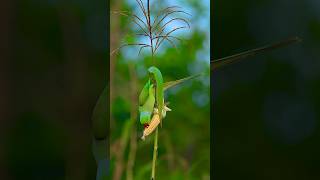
(266, 109)
(184, 139)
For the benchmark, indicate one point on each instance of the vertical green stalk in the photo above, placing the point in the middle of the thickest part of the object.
(155, 146)
(157, 77)
(155, 152)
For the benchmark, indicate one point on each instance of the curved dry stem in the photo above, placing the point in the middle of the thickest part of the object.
(171, 42)
(127, 13)
(142, 34)
(129, 44)
(157, 37)
(174, 19)
(162, 11)
(140, 3)
(141, 48)
(167, 14)
(150, 30)
(165, 25)
(133, 19)
(175, 29)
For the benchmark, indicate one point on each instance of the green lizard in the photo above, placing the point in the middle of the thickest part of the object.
(100, 112)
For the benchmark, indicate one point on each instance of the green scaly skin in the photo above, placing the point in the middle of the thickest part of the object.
(144, 93)
(147, 99)
(156, 77)
(147, 108)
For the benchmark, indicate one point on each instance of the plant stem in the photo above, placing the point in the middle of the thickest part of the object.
(155, 153)
(155, 146)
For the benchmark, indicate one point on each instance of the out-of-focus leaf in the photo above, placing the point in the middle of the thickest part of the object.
(99, 116)
(237, 57)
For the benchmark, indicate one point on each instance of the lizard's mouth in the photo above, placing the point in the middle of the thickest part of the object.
(146, 125)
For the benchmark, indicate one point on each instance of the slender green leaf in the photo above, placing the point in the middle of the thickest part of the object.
(170, 84)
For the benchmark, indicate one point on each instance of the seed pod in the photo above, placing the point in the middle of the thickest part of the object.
(155, 121)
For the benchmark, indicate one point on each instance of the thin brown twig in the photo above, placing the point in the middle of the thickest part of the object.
(164, 26)
(174, 19)
(175, 29)
(160, 32)
(167, 14)
(141, 49)
(141, 34)
(142, 8)
(129, 44)
(171, 42)
(161, 13)
(127, 13)
(168, 36)
(150, 31)
(121, 13)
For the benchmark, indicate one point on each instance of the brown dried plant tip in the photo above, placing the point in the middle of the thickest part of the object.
(158, 30)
